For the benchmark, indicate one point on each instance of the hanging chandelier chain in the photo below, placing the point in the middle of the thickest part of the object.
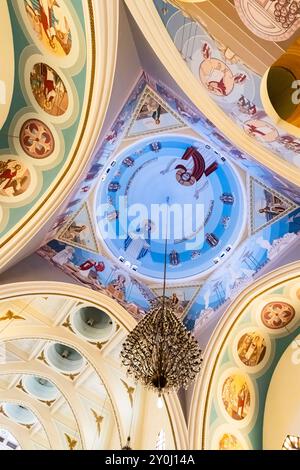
(160, 352)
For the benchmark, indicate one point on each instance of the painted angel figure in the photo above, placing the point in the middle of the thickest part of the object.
(216, 76)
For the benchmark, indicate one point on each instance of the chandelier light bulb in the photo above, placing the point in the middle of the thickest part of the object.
(160, 402)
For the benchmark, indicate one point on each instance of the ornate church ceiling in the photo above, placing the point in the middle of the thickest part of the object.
(47, 88)
(253, 355)
(179, 160)
(61, 385)
(210, 170)
(214, 73)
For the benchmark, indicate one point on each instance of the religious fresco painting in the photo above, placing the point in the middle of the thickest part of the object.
(230, 83)
(252, 354)
(274, 21)
(181, 170)
(152, 115)
(229, 442)
(251, 348)
(49, 90)
(49, 20)
(216, 76)
(101, 274)
(36, 149)
(236, 396)
(14, 178)
(79, 231)
(266, 205)
(187, 169)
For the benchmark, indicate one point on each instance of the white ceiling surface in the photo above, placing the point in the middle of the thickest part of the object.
(72, 413)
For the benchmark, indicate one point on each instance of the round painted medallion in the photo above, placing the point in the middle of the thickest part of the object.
(276, 315)
(36, 139)
(49, 90)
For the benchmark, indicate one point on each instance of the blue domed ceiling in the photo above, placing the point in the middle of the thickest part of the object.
(109, 239)
(205, 199)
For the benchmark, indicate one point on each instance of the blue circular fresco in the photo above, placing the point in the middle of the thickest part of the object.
(175, 185)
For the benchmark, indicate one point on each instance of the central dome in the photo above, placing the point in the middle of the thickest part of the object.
(179, 182)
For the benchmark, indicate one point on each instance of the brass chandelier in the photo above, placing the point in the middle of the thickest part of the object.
(160, 353)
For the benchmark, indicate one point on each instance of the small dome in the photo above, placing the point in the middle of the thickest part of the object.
(19, 413)
(93, 324)
(40, 388)
(64, 358)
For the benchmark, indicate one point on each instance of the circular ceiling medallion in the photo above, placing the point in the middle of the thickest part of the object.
(36, 139)
(236, 396)
(228, 437)
(50, 24)
(49, 89)
(229, 441)
(15, 177)
(19, 414)
(64, 358)
(261, 130)
(276, 315)
(251, 348)
(177, 182)
(93, 324)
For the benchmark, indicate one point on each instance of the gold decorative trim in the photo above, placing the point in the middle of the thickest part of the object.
(67, 324)
(72, 442)
(130, 390)
(42, 358)
(11, 316)
(21, 386)
(98, 420)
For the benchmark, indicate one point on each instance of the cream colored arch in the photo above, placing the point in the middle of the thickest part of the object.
(102, 22)
(149, 21)
(20, 434)
(41, 412)
(88, 351)
(117, 312)
(64, 386)
(7, 63)
(201, 393)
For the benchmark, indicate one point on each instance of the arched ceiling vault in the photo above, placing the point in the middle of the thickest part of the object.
(44, 180)
(37, 316)
(266, 314)
(149, 21)
(20, 434)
